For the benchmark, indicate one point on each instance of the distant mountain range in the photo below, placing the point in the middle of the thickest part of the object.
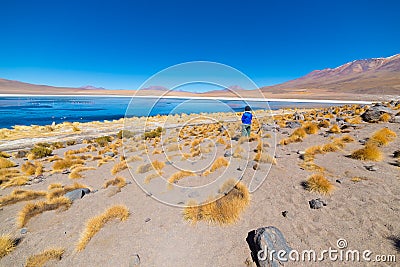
(365, 76)
(361, 79)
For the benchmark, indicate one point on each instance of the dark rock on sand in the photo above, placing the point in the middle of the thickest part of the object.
(371, 168)
(77, 193)
(374, 113)
(317, 203)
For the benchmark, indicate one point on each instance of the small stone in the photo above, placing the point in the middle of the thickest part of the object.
(317, 203)
(147, 220)
(24, 231)
(284, 213)
(371, 168)
(134, 260)
(66, 172)
(227, 154)
(109, 154)
(338, 181)
(239, 168)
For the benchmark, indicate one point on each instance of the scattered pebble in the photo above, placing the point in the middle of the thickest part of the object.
(24, 231)
(147, 220)
(134, 260)
(371, 168)
(66, 172)
(338, 181)
(109, 154)
(317, 203)
(227, 154)
(284, 213)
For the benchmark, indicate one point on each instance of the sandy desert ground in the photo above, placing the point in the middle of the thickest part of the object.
(361, 189)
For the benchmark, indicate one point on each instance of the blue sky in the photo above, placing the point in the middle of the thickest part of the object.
(119, 44)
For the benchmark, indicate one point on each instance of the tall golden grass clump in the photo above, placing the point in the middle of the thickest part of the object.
(382, 137)
(179, 176)
(310, 128)
(32, 209)
(120, 166)
(218, 163)
(158, 165)
(265, 158)
(66, 163)
(4, 154)
(335, 129)
(21, 195)
(368, 152)
(7, 245)
(41, 259)
(385, 117)
(15, 181)
(76, 173)
(5, 163)
(324, 124)
(117, 181)
(300, 132)
(318, 183)
(222, 211)
(94, 225)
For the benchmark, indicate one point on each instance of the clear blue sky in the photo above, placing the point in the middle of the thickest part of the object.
(118, 44)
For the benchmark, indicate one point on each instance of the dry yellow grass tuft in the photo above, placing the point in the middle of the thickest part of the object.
(318, 183)
(144, 168)
(5, 163)
(310, 128)
(41, 259)
(357, 179)
(120, 166)
(300, 132)
(224, 210)
(330, 147)
(19, 195)
(219, 163)
(369, 152)
(54, 185)
(15, 181)
(356, 120)
(335, 129)
(66, 163)
(291, 139)
(382, 137)
(76, 172)
(347, 139)
(324, 124)
(237, 153)
(4, 154)
(179, 176)
(158, 165)
(265, 158)
(117, 181)
(385, 117)
(7, 245)
(32, 209)
(94, 225)
(150, 177)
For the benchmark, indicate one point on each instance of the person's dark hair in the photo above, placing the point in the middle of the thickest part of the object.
(247, 108)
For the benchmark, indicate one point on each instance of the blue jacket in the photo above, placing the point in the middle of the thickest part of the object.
(247, 117)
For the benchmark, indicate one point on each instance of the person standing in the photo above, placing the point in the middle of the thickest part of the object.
(246, 121)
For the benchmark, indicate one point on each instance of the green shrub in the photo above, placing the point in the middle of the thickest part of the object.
(154, 133)
(125, 133)
(103, 140)
(41, 151)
